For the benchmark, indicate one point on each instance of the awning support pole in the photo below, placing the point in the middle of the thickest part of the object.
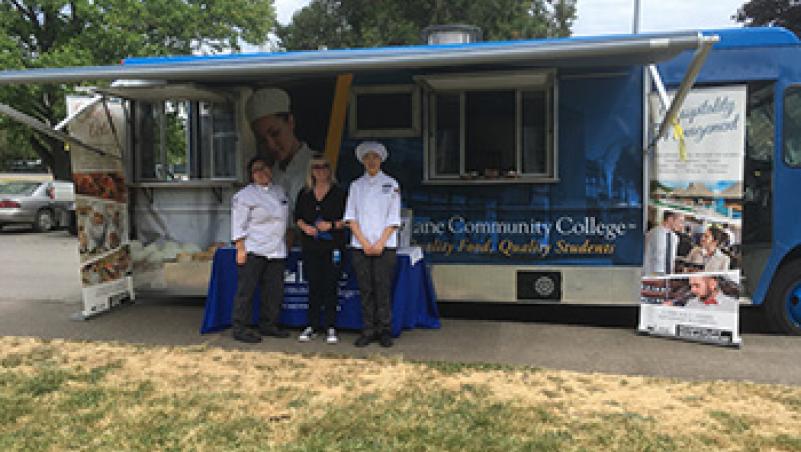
(77, 112)
(111, 125)
(41, 127)
(660, 87)
(706, 43)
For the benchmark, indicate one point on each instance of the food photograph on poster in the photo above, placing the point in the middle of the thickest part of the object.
(102, 226)
(108, 268)
(104, 185)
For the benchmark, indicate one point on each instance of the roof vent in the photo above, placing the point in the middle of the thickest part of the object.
(451, 34)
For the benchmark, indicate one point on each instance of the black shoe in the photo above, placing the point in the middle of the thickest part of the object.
(364, 340)
(273, 331)
(247, 336)
(385, 339)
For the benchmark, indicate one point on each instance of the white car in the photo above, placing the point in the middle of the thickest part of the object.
(43, 205)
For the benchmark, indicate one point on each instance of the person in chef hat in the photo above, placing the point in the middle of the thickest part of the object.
(372, 212)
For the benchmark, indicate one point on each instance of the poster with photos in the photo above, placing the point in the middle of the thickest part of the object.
(101, 204)
(695, 219)
(697, 306)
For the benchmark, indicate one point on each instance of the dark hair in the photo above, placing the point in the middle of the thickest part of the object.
(250, 164)
(669, 214)
(283, 115)
(719, 236)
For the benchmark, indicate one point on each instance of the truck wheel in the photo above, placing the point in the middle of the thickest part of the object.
(44, 221)
(783, 304)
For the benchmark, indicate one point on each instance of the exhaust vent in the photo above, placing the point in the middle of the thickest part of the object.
(451, 34)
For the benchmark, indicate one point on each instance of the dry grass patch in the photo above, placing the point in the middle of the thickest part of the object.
(57, 395)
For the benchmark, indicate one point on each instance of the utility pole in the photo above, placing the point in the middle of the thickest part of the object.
(636, 25)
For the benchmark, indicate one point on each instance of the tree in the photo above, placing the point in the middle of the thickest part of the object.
(781, 13)
(368, 23)
(59, 33)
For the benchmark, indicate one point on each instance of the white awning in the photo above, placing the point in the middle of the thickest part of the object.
(569, 52)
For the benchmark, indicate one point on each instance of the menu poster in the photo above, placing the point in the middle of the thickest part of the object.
(101, 203)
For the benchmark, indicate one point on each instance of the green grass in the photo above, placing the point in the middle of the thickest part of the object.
(63, 397)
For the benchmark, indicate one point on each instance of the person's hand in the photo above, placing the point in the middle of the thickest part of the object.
(323, 226)
(241, 256)
(311, 231)
(374, 249)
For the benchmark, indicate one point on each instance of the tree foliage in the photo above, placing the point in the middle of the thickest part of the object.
(781, 13)
(369, 23)
(59, 33)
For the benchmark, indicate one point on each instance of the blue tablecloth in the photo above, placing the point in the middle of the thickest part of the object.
(413, 301)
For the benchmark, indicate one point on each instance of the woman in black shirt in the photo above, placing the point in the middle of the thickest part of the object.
(318, 214)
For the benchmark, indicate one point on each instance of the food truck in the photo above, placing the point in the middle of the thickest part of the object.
(525, 166)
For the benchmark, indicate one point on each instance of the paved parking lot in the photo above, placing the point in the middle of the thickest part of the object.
(40, 292)
(38, 266)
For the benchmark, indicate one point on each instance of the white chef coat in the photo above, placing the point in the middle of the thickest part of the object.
(374, 202)
(293, 178)
(656, 250)
(260, 215)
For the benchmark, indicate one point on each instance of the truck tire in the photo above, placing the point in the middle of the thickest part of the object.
(783, 303)
(44, 221)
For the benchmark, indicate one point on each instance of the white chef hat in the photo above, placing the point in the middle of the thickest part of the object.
(371, 146)
(267, 101)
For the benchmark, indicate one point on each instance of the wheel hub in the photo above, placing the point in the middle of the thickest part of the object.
(793, 304)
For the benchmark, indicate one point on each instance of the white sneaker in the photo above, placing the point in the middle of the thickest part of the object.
(307, 334)
(331, 338)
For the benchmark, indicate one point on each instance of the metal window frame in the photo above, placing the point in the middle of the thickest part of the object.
(234, 132)
(473, 83)
(400, 132)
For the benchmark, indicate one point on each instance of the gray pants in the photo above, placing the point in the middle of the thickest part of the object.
(375, 275)
(267, 273)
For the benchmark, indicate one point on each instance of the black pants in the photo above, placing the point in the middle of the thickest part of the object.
(375, 275)
(267, 273)
(323, 276)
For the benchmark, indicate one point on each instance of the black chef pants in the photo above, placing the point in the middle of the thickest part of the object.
(264, 272)
(375, 275)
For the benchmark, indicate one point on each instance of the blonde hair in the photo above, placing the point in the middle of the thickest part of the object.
(318, 159)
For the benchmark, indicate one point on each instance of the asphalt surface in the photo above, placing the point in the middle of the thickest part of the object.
(39, 293)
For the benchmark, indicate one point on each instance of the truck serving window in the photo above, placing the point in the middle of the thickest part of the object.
(496, 127)
(792, 126)
(184, 140)
(161, 140)
(218, 141)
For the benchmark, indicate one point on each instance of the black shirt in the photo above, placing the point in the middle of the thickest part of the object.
(330, 208)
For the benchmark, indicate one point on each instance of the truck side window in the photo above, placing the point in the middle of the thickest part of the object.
(759, 150)
(792, 126)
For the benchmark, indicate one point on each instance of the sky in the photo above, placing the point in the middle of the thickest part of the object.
(596, 17)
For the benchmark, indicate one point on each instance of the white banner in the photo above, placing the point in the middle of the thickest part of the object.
(713, 120)
(101, 203)
(701, 307)
(692, 250)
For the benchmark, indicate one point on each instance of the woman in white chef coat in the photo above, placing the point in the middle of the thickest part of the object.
(372, 212)
(259, 218)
